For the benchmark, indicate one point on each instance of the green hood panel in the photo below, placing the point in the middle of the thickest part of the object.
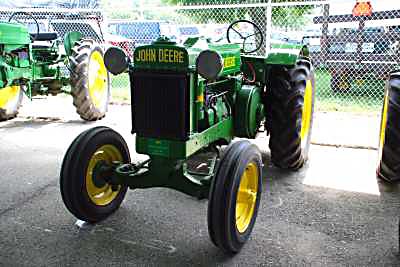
(13, 34)
(286, 54)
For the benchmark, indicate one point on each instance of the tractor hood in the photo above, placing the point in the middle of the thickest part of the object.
(13, 34)
(209, 60)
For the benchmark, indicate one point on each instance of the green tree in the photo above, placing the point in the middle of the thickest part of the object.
(293, 17)
(287, 17)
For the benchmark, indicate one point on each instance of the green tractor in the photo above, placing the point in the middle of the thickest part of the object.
(35, 64)
(188, 104)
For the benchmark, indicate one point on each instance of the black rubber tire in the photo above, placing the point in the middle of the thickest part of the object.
(288, 150)
(221, 212)
(10, 111)
(389, 152)
(79, 63)
(340, 82)
(73, 170)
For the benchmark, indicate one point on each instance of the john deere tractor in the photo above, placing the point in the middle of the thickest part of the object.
(189, 102)
(35, 64)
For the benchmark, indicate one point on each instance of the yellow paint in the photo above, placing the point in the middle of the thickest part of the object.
(167, 55)
(246, 197)
(200, 98)
(98, 80)
(383, 124)
(307, 112)
(8, 95)
(162, 55)
(104, 195)
(146, 55)
(229, 62)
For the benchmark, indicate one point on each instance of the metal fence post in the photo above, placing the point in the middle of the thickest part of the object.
(141, 9)
(324, 37)
(268, 31)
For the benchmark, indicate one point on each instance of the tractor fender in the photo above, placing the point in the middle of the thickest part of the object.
(69, 41)
(286, 54)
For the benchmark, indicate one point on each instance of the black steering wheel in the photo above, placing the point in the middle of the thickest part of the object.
(249, 38)
(13, 17)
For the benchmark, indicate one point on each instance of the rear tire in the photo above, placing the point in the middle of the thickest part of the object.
(10, 102)
(389, 138)
(238, 176)
(290, 115)
(82, 196)
(90, 81)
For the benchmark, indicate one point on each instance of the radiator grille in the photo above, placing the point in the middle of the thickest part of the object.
(160, 104)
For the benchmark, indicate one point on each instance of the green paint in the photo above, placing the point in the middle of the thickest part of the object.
(171, 149)
(219, 110)
(247, 108)
(285, 54)
(158, 147)
(162, 172)
(14, 34)
(69, 41)
(35, 64)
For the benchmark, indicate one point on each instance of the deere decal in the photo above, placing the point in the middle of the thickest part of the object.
(161, 57)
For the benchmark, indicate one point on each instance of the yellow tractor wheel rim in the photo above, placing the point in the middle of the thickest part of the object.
(383, 124)
(307, 112)
(102, 195)
(98, 80)
(8, 95)
(246, 197)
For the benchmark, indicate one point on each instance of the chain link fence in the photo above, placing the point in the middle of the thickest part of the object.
(352, 55)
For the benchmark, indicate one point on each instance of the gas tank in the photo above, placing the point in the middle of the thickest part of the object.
(13, 34)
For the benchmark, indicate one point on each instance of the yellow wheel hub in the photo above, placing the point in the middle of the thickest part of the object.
(98, 84)
(246, 197)
(307, 112)
(8, 96)
(383, 124)
(102, 195)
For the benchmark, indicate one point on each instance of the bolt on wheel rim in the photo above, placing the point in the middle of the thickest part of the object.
(97, 80)
(8, 96)
(306, 113)
(383, 124)
(102, 195)
(246, 197)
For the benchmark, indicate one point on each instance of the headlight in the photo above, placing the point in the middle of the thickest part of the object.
(209, 64)
(116, 60)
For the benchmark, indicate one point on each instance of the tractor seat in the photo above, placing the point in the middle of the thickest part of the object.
(44, 36)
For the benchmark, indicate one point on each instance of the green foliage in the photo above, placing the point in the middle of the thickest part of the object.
(292, 17)
(120, 9)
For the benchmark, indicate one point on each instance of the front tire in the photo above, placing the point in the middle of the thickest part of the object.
(235, 196)
(10, 101)
(90, 81)
(291, 114)
(389, 139)
(82, 196)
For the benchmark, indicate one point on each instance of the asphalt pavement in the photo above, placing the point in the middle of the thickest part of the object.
(331, 213)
